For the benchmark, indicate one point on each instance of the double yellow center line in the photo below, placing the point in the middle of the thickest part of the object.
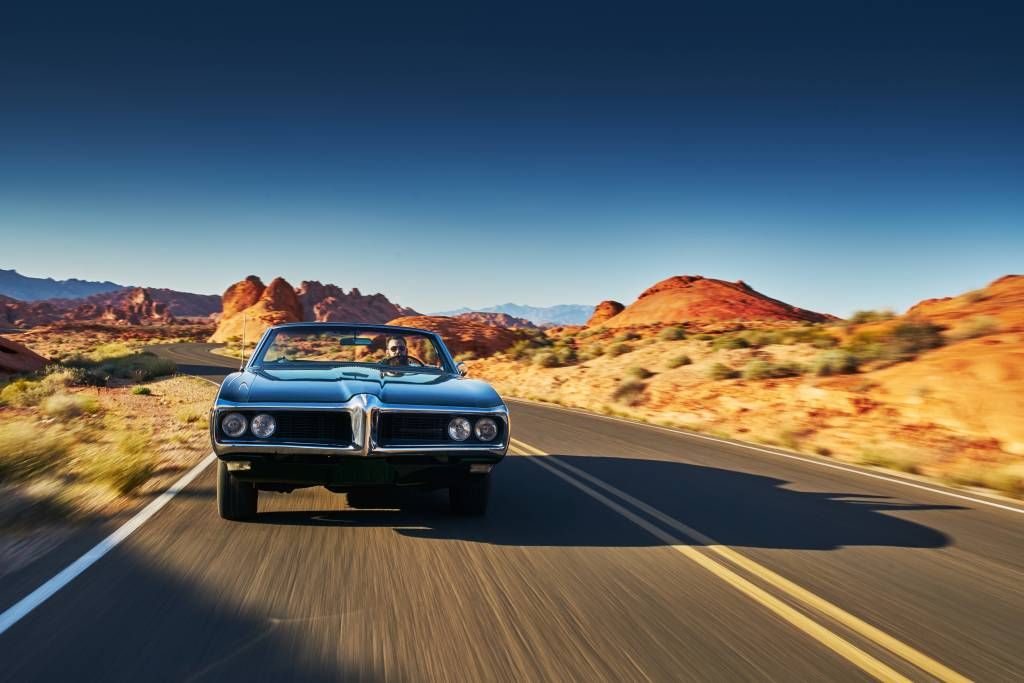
(593, 487)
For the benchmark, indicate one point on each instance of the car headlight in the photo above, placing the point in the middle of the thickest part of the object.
(486, 429)
(234, 424)
(263, 425)
(459, 429)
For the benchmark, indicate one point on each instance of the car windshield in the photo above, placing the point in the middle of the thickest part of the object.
(344, 346)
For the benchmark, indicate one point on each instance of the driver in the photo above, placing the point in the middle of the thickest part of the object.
(396, 352)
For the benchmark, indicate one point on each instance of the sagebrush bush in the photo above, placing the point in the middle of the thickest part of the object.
(728, 342)
(142, 391)
(67, 406)
(761, 369)
(618, 349)
(27, 450)
(679, 361)
(860, 317)
(672, 334)
(836, 362)
(722, 371)
(640, 373)
(124, 468)
(978, 326)
(629, 391)
(546, 360)
(625, 336)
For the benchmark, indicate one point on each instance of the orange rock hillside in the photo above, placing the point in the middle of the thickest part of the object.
(603, 312)
(16, 358)
(686, 298)
(279, 303)
(498, 320)
(276, 304)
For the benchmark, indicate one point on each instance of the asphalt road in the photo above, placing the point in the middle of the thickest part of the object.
(628, 553)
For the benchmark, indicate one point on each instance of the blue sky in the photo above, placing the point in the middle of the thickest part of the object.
(841, 157)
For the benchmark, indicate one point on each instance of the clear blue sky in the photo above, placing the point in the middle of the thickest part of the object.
(837, 156)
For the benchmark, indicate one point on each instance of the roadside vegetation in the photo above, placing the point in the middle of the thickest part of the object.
(82, 437)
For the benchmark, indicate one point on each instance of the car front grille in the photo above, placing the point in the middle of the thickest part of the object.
(411, 429)
(315, 427)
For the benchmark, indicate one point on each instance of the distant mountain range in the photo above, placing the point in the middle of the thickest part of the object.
(562, 314)
(24, 288)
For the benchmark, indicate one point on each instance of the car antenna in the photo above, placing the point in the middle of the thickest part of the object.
(241, 367)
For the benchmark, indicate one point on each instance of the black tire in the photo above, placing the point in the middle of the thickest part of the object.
(236, 500)
(470, 497)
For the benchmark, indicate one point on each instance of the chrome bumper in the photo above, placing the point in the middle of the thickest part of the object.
(362, 410)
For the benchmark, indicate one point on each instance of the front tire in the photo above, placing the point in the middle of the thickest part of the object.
(470, 498)
(236, 500)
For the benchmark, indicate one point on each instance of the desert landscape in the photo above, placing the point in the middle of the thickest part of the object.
(936, 391)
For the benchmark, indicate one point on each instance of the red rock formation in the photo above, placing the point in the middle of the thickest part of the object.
(14, 313)
(15, 358)
(686, 298)
(498, 320)
(330, 303)
(135, 307)
(604, 311)
(463, 335)
(277, 304)
(178, 304)
(241, 296)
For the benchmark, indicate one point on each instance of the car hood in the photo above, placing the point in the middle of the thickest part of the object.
(340, 384)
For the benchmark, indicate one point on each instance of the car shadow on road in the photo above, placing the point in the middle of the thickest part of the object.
(533, 507)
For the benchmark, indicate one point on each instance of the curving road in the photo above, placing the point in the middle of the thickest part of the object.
(613, 551)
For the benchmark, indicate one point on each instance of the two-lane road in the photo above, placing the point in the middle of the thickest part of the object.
(612, 551)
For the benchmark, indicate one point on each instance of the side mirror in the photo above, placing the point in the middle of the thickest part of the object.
(461, 367)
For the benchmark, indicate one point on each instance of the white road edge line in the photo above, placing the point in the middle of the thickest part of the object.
(37, 597)
(851, 470)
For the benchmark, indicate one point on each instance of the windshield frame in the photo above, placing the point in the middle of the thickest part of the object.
(255, 361)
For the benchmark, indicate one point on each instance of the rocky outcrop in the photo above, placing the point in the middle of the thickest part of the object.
(22, 314)
(604, 311)
(312, 302)
(685, 298)
(1001, 302)
(461, 335)
(16, 358)
(276, 304)
(136, 307)
(330, 303)
(498, 320)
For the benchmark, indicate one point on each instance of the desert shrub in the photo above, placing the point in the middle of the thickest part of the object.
(722, 371)
(27, 450)
(835, 362)
(861, 317)
(22, 393)
(565, 354)
(824, 341)
(142, 391)
(679, 361)
(730, 341)
(99, 367)
(978, 326)
(466, 355)
(525, 348)
(126, 467)
(672, 334)
(894, 461)
(705, 337)
(67, 406)
(629, 391)
(1008, 479)
(625, 336)
(545, 360)
(639, 373)
(758, 338)
(192, 416)
(618, 349)
(910, 338)
(761, 369)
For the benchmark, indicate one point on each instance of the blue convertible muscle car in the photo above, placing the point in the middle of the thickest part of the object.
(353, 407)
